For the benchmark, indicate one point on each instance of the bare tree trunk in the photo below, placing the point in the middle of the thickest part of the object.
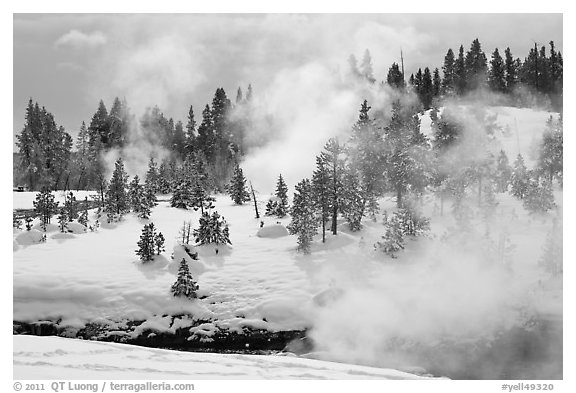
(255, 203)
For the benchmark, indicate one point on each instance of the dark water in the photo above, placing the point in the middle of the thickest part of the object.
(532, 352)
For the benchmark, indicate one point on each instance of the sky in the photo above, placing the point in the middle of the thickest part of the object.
(68, 62)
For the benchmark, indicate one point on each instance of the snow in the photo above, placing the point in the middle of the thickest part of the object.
(272, 231)
(61, 358)
(29, 237)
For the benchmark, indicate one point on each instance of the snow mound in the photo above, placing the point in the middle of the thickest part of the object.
(76, 228)
(196, 267)
(15, 246)
(62, 236)
(32, 236)
(273, 231)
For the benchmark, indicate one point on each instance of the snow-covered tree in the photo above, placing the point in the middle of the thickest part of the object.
(282, 194)
(45, 206)
(539, 197)
(305, 218)
(551, 150)
(151, 179)
(116, 202)
(146, 244)
(136, 195)
(159, 243)
(70, 206)
(321, 193)
(185, 284)
(503, 172)
(237, 187)
(213, 229)
(393, 239)
(181, 195)
(63, 220)
(520, 178)
(352, 204)
(366, 159)
(83, 217)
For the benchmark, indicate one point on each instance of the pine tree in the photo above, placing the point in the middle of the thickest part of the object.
(520, 178)
(62, 220)
(237, 187)
(181, 197)
(82, 156)
(135, 194)
(510, 70)
(497, 73)
(117, 202)
(395, 78)
(551, 154)
(352, 205)
(159, 243)
(426, 92)
(448, 82)
(436, 83)
(185, 285)
(304, 222)
(476, 66)
(539, 197)
(321, 193)
(190, 144)
(118, 121)
(353, 66)
(282, 194)
(179, 140)
(460, 77)
(45, 206)
(393, 239)
(364, 149)
(503, 172)
(213, 229)
(146, 244)
(366, 67)
(70, 206)
(83, 218)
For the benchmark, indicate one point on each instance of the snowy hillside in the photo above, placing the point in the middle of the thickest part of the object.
(57, 358)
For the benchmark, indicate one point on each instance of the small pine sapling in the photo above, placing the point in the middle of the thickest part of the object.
(185, 286)
(63, 220)
(393, 239)
(70, 206)
(83, 218)
(29, 221)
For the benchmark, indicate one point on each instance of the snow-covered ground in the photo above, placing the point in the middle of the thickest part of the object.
(57, 358)
(355, 300)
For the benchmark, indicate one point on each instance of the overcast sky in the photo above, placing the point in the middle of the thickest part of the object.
(69, 62)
